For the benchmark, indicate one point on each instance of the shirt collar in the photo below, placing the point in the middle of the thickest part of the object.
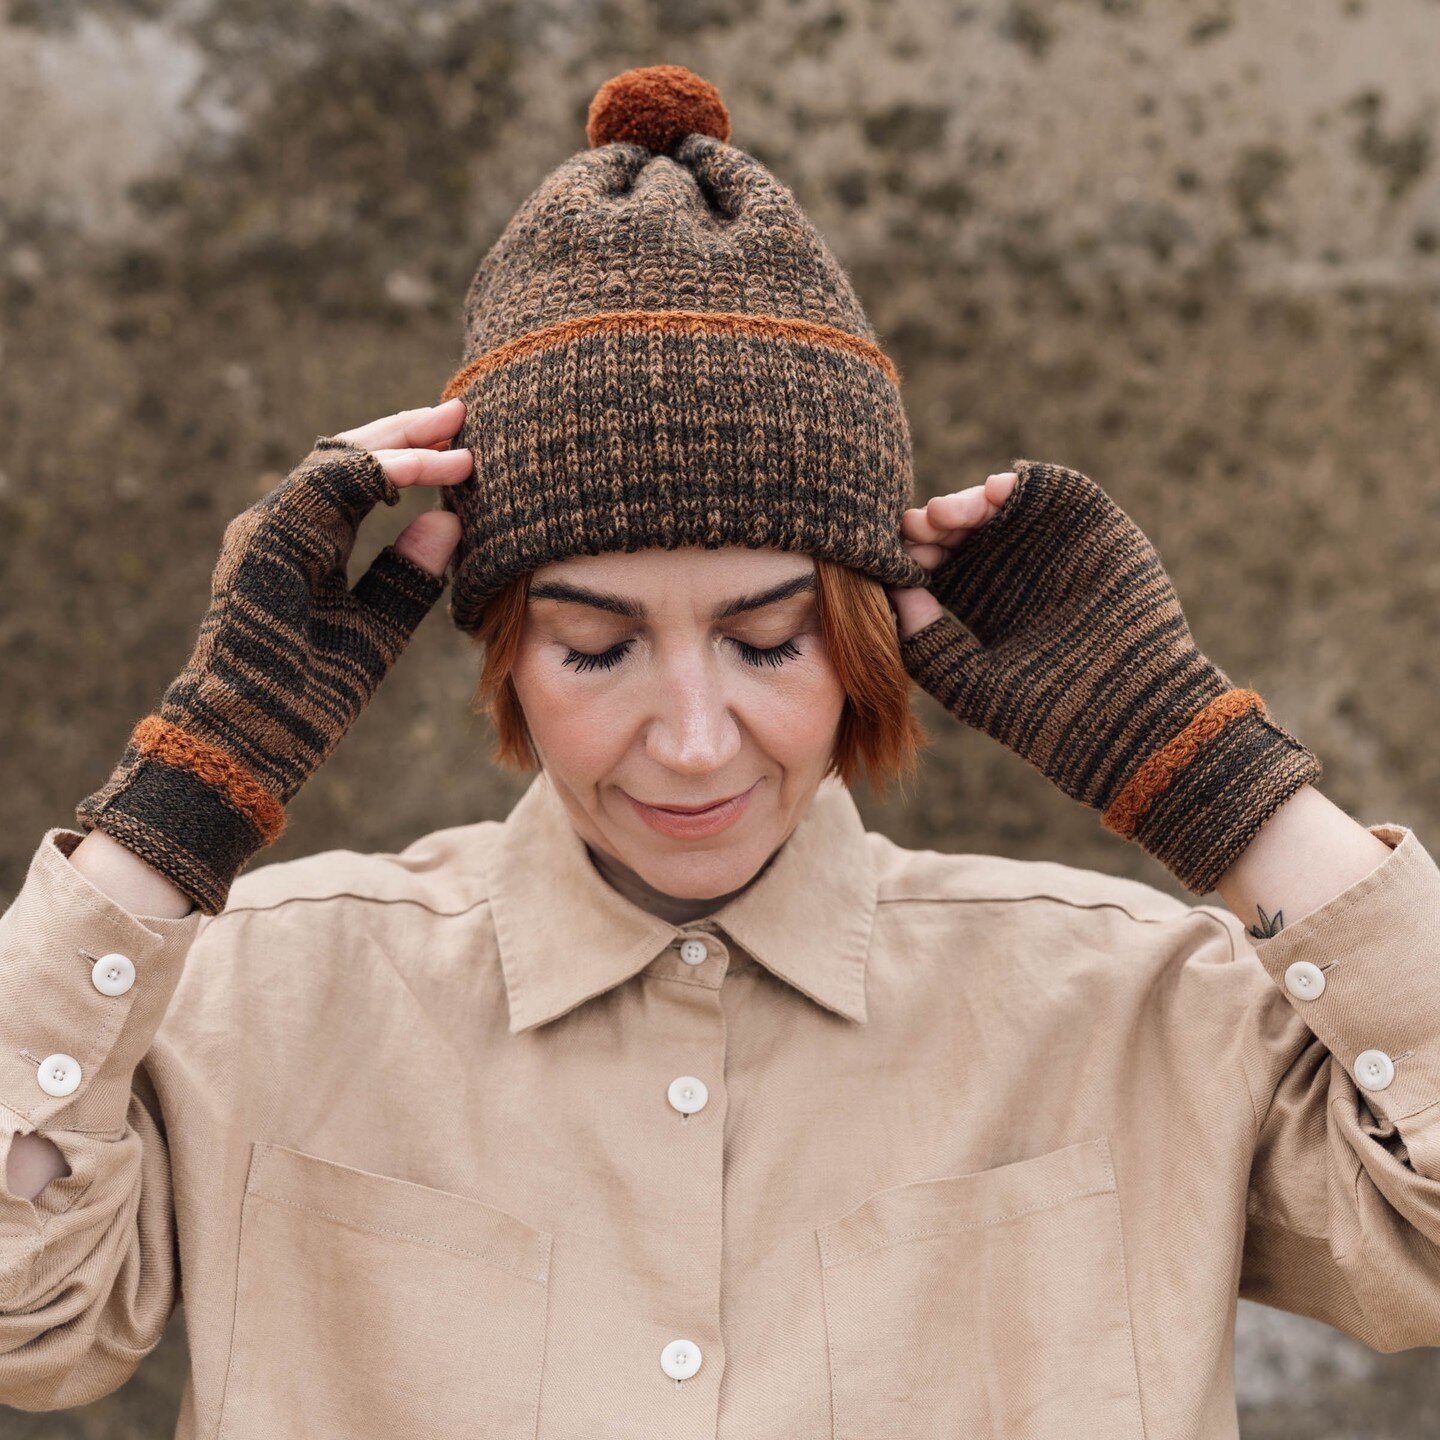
(565, 934)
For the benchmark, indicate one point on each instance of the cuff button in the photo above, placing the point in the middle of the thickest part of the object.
(113, 974)
(1374, 1069)
(1305, 980)
(58, 1074)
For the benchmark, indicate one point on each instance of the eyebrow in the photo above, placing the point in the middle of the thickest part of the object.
(633, 610)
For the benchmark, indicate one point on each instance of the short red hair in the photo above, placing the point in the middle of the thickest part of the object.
(878, 731)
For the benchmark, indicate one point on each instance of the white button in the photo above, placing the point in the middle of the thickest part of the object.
(680, 1358)
(58, 1074)
(113, 974)
(687, 1094)
(693, 952)
(1374, 1069)
(1304, 980)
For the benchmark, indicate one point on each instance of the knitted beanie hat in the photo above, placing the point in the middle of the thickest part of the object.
(661, 351)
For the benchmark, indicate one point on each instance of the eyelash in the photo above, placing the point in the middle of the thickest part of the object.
(752, 655)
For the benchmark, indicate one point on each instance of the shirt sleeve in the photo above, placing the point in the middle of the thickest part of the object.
(1343, 1060)
(88, 1268)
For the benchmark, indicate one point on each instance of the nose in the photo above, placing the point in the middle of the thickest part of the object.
(694, 729)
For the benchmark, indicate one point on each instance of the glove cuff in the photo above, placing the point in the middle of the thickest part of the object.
(187, 808)
(1197, 802)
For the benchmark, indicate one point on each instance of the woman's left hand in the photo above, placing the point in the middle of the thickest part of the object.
(1048, 621)
(931, 532)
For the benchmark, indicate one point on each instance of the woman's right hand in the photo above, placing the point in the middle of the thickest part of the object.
(288, 653)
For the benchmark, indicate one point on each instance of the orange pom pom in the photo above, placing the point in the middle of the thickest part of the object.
(656, 106)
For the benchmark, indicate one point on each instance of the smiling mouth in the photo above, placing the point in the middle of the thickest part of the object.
(692, 809)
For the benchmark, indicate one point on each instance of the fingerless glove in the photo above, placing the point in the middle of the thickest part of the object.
(1079, 658)
(287, 657)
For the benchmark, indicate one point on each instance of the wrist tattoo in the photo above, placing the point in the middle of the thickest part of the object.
(1270, 925)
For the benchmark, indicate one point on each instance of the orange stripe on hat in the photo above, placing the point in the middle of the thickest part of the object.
(689, 322)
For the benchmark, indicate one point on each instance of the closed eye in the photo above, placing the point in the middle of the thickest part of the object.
(757, 655)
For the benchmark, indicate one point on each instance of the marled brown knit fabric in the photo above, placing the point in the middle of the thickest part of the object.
(661, 351)
(1080, 659)
(287, 656)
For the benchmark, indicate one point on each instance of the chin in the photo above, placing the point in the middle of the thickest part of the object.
(698, 875)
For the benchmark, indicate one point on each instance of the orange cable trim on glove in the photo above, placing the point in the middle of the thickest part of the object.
(1159, 769)
(768, 327)
(157, 739)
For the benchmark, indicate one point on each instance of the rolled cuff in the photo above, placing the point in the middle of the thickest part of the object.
(52, 1003)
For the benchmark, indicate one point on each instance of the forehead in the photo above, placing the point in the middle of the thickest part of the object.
(713, 573)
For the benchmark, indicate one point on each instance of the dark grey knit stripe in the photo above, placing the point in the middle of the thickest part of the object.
(1077, 665)
(399, 592)
(206, 718)
(1175, 689)
(1099, 623)
(1146, 649)
(1250, 774)
(1039, 560)
(175, 819)
(1228, 761)
(1268, 771)
(1051, 553)
(1174, 697)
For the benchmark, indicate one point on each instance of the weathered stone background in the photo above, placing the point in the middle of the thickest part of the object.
(1190, 248)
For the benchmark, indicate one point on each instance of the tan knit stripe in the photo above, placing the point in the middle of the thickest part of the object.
(1159, 769)
(690, 322)
(156, 738)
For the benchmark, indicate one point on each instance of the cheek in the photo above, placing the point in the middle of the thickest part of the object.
(578, 729)
(794, 713)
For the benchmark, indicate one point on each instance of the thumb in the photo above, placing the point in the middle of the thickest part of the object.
(914, 607)
(429, 540)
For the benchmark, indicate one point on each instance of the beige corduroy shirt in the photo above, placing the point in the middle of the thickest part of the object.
(460, 1142)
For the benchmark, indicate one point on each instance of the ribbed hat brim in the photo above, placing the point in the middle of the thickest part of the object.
(732, 436)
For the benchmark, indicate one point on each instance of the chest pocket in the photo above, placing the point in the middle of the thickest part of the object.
(992, 1303)
(370, 1306)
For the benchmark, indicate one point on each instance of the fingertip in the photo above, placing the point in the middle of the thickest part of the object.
(449, 415)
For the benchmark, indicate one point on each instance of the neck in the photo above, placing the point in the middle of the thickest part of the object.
(677, 909)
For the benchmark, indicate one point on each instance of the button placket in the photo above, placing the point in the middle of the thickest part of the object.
(688, 1095)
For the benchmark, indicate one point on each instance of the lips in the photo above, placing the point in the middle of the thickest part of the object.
(695, 823)
(691, 809)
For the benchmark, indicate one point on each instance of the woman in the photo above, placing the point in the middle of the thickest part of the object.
(677, 1102)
